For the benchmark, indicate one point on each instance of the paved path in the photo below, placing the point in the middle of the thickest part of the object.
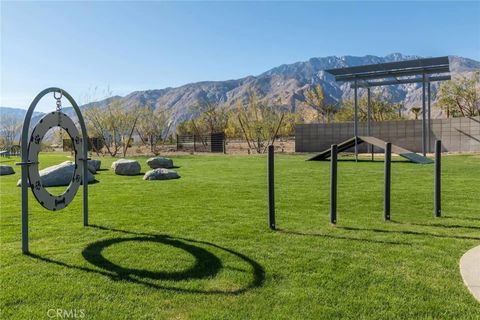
(470, 270)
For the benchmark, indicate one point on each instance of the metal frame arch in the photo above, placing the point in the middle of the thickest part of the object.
(25, 163)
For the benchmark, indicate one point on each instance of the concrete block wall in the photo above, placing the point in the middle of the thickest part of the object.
(457, 134)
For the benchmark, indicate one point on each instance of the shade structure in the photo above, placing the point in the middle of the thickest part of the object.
(392, 69)
(422, 71)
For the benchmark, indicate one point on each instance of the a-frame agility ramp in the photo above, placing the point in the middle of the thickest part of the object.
(350, 143)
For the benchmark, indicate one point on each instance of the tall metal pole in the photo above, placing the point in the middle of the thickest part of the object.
(424, 126)
(271, 188)
(333, 184)
(85, 181)
(369, 119)
(388, 171)
(438, 177)
(24, 192)
(429, 115)
(355, 124)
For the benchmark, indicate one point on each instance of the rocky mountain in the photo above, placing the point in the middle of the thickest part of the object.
(16, 113)
(284, 83)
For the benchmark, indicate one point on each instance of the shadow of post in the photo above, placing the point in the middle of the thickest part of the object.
(341, 237)
(408, 232)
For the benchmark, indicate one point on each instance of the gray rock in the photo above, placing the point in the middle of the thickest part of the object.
(160, 162)
(4, 170)
(126, 167)
(95, 164)
(161, 174)
(59, 175)
(91, 168)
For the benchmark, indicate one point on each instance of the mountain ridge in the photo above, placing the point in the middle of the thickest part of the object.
(17, 113)
(283, 83)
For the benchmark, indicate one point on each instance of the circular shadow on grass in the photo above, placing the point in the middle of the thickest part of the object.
(206, 263)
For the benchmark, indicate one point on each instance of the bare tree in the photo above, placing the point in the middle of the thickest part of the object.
(461, 96)
(259, 123)
(114, 124)
(314, 98)
(214, 116)
(100, 125)
(10, 128)
(126, 122)
(381, 110)
(151, 126)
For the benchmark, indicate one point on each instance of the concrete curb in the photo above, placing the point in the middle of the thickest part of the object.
(470, 271)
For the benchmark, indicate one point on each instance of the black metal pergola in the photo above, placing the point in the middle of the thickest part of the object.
(422, 71)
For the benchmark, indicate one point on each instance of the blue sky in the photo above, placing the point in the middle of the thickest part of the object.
(130, 46)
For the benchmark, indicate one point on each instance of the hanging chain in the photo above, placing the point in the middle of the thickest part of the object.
(59, 99)
(59, 109)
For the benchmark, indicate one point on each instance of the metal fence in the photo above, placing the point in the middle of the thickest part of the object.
(93, 144)
(214, 142)
(10, 151)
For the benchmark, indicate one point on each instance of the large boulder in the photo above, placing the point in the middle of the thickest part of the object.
(91, 168)
(161, 174)
(126, 167)
(160, 162)
(59, 175)
(4, 170)
(95, 164)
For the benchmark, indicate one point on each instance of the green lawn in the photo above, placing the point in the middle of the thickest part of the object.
(199, 247)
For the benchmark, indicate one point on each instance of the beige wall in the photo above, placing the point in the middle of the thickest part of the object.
(457, 134)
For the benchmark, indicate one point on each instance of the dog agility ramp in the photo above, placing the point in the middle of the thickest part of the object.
(345, 145)
(350, 143)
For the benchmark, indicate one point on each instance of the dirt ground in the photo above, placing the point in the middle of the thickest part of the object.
(232, 147)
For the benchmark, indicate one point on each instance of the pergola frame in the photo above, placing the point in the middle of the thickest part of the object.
(422, 71)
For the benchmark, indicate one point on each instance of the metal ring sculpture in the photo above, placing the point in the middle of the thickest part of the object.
(46, 199)
(31, 146)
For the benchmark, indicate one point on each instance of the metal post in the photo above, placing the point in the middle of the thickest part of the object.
(177, 142)
(24, 197)
(429, 116)
(424, 126)
(369, 117)
(355, 122)
(224, 144)
(194, 147)
(271, 188)
(333, 184)
(438, 176)
(25, 163)
(369, 112)
(386, 193)
(85, 181)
